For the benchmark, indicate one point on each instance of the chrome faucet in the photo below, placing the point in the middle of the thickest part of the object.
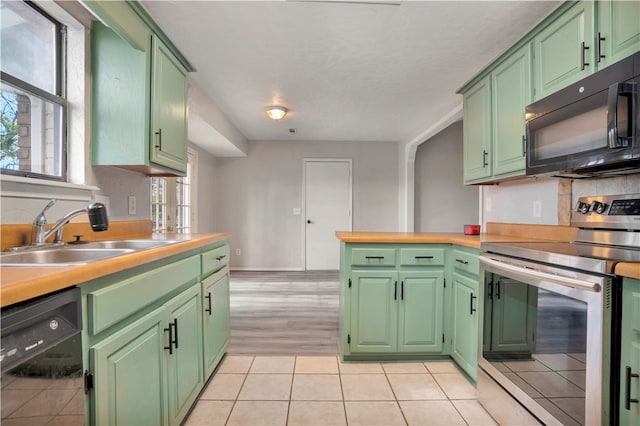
(97, 216)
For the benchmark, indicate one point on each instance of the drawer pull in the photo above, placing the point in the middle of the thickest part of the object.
(219, 258)
(627, 385)
(464, 262)
(374, 257)
(424, 257)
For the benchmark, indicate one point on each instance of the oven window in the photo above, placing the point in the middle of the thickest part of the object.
(537, 339)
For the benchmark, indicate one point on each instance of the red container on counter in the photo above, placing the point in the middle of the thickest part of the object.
(471, 229)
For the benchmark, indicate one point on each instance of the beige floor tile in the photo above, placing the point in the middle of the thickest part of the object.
(316, 365)
(208, 413)
(473, 412)
(577, 377)
(316, 387)
(360, 368)
(415, 387)
(316, 413)
(403, 367)
(266, 387)
(372, 413)
(239, 364)
(560, 362)
(426, 413)
(455, 386)
(366, 387)
(552, 385)
(441, 367)
(518, 366)
(273, 365)
(224, 387)
(259, 413)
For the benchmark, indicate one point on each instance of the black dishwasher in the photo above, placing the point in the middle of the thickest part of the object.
(41, 361)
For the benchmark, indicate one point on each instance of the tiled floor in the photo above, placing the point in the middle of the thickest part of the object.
(320, 390)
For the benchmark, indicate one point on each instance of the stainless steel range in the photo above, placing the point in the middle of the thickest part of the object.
(551, 314)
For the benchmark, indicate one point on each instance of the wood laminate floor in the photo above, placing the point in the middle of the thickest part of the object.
(284, 313)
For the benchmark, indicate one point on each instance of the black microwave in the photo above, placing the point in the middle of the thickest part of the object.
(590, 128)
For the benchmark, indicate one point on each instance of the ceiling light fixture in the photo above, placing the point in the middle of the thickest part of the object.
(276, 112)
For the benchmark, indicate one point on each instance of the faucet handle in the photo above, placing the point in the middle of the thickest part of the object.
(40, 217)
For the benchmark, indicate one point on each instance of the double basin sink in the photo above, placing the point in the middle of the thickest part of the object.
(78, 254)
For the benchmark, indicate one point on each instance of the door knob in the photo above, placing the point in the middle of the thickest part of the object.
(308, 221)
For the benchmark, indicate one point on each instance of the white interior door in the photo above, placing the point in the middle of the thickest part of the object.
(327, 210)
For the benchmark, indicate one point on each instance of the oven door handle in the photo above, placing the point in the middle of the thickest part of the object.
(556, 279)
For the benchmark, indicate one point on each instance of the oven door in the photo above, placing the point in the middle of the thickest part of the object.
(545, 337)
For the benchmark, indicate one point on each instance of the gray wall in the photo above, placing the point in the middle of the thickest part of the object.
(442, 202)
(205, 198)
(256, 195)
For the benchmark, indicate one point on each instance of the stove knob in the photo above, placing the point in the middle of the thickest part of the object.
(599, 207)
(583, 207)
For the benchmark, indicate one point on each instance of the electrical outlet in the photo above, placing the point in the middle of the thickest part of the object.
(537, 208)
(132, 204)
(238, 252)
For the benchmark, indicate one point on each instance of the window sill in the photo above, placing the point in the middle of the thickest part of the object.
(14, 186)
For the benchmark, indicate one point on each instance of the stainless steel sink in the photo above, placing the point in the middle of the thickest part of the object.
(59, 256)
(129, 244)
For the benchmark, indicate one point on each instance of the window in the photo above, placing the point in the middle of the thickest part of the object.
(32, 103)
(172, 201)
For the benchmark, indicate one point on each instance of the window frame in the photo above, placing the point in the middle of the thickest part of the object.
(59, 97)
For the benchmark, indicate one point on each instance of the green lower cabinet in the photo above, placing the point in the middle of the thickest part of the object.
(129, 366)
(630, 353)
(396, 312)
(374, 312)
(216, 318)
(510, 317)
(464, 350)
(184, 365)
(420, 325)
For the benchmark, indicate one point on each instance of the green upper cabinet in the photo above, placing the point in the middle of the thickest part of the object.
(493, 126)
(618, 31)
(511, 91)
(168, 108)
(139, 96)
(477, 132)
(564, 50)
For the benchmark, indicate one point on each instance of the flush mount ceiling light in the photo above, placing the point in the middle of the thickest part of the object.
(276, 112)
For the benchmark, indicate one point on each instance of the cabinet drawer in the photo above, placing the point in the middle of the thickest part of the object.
(114, 303)
(215, 259)
(373, 256)
(422, 256)
(466, 262)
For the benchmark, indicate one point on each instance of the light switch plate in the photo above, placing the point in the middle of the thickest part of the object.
(132, 204)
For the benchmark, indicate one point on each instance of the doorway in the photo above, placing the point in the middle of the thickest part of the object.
(327, 198)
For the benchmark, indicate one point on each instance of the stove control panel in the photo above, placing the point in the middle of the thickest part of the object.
(607, 212)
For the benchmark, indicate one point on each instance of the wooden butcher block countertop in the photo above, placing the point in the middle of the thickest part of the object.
(22, 283)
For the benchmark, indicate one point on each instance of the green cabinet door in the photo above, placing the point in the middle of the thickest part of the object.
(630, 353)
(184, 365)
(421, 297)
(129, 366)
(476, 128)
(618, 30)
(511, 92)
(374, 311)
(464, 349)
(216, 318)
(169, 109)
(511, 317)
(564, 50)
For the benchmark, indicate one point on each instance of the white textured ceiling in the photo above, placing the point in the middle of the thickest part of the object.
(345, 71)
